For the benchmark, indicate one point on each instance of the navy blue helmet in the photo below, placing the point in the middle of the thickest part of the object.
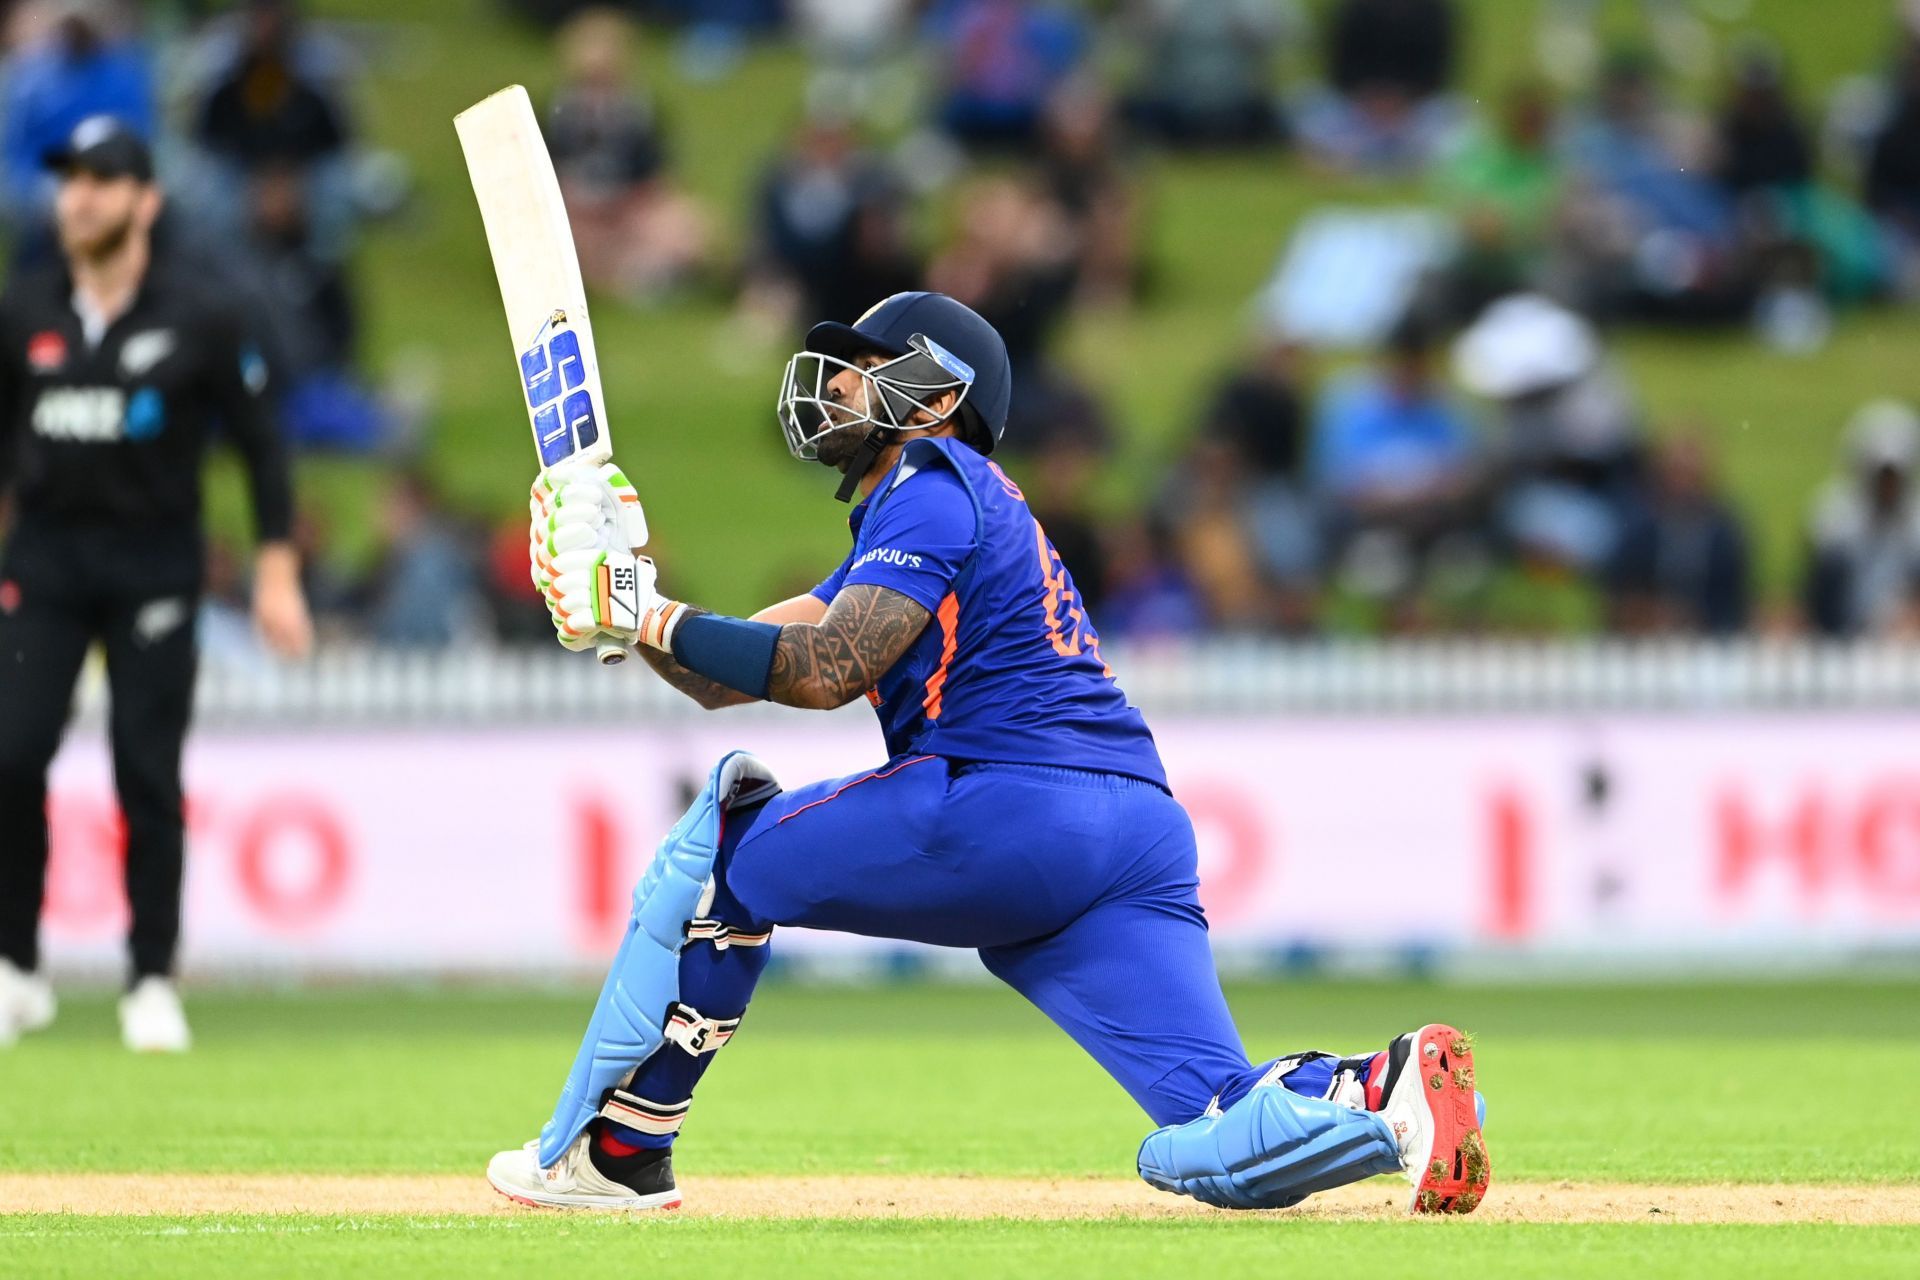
(945, 327)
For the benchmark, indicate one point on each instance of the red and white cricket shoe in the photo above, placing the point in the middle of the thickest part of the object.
(1427, 1098)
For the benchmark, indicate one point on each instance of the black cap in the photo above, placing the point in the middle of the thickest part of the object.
(104, 146)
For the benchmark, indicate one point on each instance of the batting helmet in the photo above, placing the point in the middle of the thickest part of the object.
(953, 328)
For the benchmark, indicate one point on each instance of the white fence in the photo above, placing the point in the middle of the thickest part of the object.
(371, 686)
(1513, 806)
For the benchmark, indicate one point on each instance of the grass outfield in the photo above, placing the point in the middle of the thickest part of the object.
(1809, 1093)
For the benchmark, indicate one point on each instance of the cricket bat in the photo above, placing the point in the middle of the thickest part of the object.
(540, 287)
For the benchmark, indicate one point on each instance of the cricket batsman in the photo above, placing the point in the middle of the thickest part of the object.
(1022, 811)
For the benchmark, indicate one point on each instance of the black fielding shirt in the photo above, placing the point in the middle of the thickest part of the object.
(115, 433)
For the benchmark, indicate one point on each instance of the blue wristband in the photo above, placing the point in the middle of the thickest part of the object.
(731, 651)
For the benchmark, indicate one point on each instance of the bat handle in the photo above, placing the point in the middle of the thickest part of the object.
(612, 653)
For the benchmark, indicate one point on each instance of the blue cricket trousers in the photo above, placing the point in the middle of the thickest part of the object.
(1078, 889)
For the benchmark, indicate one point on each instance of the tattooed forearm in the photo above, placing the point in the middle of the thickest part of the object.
(832, 662)
(710, 694)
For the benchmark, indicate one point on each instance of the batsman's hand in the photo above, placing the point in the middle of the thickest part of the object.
(600, 592)
(581, 553)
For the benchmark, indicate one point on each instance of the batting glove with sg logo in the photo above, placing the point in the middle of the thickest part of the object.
(585, 523)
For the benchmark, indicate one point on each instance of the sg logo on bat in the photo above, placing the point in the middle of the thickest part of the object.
(555, 375)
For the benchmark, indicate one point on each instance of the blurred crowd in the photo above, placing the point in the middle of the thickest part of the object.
(249, 110)
(1427, 422)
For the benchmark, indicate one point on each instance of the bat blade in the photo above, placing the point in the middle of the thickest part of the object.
(540, 288)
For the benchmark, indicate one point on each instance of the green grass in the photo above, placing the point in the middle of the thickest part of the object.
(462, 1248)
(1799, 1082)
(691, 406)
(1584, 1083)
(1670, 1081)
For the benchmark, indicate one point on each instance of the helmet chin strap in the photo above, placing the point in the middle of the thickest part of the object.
(859, 464)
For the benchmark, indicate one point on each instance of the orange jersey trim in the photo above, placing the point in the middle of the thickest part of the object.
(949, 616)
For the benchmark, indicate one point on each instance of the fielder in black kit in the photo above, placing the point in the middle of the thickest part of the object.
(116, 366)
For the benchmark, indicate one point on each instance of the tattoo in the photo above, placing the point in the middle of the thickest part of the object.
(832, 662)
(710, 694)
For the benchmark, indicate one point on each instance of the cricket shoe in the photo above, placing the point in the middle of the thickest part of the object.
(1427, 1099)
(151, 1019)
(584, 1178)
(26, 1002)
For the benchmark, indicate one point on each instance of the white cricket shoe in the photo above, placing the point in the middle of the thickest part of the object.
(1428, 1100)
(575, 1183)
(26, 1002)
(151, 1019)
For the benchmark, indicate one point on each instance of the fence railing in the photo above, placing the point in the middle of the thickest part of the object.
(372, 686)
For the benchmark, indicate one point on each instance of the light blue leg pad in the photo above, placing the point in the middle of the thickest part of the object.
(628, 1023)
(1270, 1150)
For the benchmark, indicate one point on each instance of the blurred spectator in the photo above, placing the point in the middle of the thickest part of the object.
(637, 235)
(1570, 432)
(1001, 60)
(857, 49)
(227, 638)
(1682, 561)
(831, 227)
(1651, 231)
(1258, 410)
(1397, 464)
(1762, 140)
(519, 616)
(269, 106)
(1569, 38)
(317, 307)
(335, 596)
(1863, 572)
(1258, 413)
(1506, 185)
(71, 60)
(1207, 507)
(1806, 243)
(310, 319)
(1013, 259)
(426, 592)
(1148, 594)
(1389, 66)
(1205, 73)
(1892, 185)
(1084, 175)
(1055, 409)
(1511, 170)
(1058, 484)
(267, 111)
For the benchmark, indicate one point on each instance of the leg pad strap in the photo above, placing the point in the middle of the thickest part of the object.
(643, 1115)
(697, 1035)
(723, 935)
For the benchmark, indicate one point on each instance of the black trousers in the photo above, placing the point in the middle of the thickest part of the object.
(136, 591)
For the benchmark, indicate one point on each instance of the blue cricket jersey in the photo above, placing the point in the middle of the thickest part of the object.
(1009, 670)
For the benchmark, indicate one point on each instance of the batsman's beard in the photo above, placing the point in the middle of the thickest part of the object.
(839, 446)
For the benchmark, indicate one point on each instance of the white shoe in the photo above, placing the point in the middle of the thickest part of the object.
(151, 1019)
(26, 1003)
(573, 1182)
(1428, 1101)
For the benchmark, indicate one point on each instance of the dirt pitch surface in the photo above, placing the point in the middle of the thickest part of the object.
(880, 1196)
